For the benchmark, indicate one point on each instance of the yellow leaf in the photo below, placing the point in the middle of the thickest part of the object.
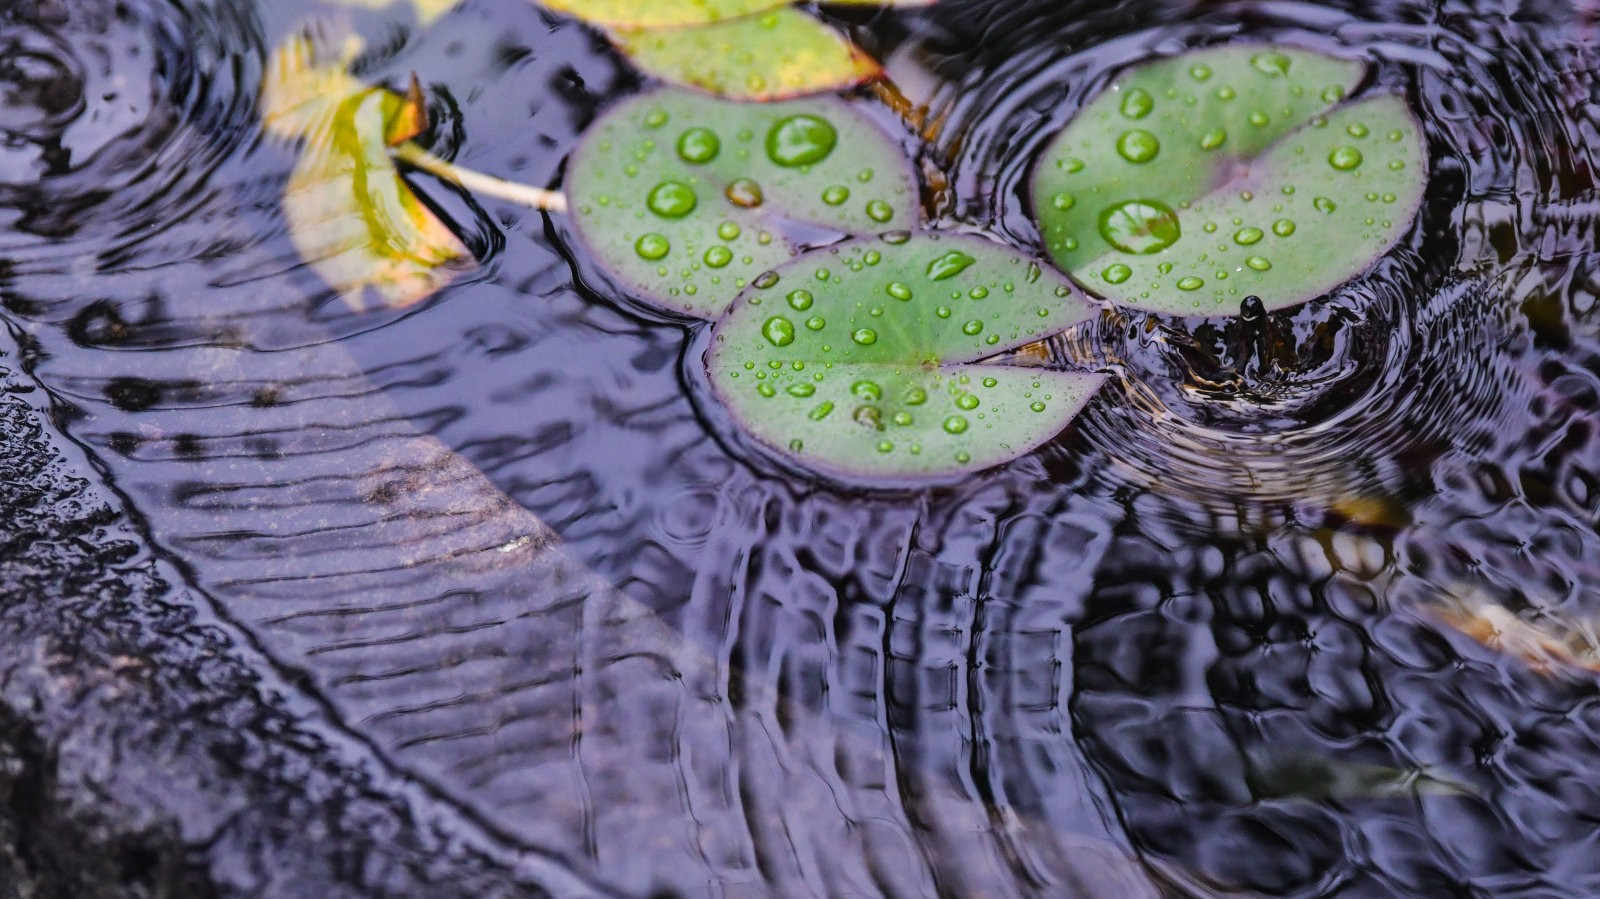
(782, 53)
(351, 216)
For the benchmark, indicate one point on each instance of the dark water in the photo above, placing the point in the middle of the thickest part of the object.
(501, 540)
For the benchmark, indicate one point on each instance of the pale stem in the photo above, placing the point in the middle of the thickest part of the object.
(537, 197)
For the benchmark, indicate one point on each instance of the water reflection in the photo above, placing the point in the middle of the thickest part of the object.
(502, 536)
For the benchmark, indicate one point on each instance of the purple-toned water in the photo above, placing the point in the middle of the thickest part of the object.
(502, 548)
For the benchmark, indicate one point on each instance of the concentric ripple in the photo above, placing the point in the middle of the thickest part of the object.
(114, 117)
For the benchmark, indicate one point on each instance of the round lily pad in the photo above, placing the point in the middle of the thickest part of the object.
(864, 361)
(1194, 181)
(685, 198)
(781, 53)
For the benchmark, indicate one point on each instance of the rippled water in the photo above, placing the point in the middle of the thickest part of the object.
(1185, 648)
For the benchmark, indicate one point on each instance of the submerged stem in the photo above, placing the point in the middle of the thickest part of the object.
(537, 197)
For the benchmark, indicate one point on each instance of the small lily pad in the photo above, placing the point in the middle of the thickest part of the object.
(351, 216)
(686, 198)
(1197, 180)
(780, 53)
(659, 13)
(864, 360)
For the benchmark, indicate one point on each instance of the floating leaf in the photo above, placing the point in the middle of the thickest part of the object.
(781, 53)
(1197, 180)
(660, 13)
(687, 197)
(862, 360)
(351, 216)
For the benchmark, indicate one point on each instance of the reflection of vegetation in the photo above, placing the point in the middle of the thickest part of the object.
(1548, 645)
(1314, 778)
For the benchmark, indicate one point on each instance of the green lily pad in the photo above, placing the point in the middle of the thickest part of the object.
(780, 53)
(1194, 181)
(686, 198)
(864, 361)
(659, 13)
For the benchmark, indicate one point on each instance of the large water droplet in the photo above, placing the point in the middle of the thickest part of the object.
(1344, 158)
(1138, 145)
(778, 330)
(968, 402)
(972, 328)
(727, 231)
(915, 396)
(1137, 103)
(1140, 226)
(652, 246)
(744, 192)
(1200, 72)
(655, 118)
(879, 211)
(955, 424)
(1324, 204)
(898, 290)
(801, 389)
(699, 145)
(1190, 283)
(1244, 237)
(1270, 63)
(801, 140)
(1259, 263)
(949, 265)
(1283, 227)
(821, 411)
(816, 323)
(1063, 201)
(867, 390)
(835, 195)
(865, 336)
(672, 199)
(718, 256)
(800, 300)
(1116, 273)
(1213, 139)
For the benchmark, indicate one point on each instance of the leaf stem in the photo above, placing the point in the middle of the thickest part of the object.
(537, 197)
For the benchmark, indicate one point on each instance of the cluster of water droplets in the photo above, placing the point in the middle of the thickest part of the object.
(889, 314)
(1143, 226)
(687, 240)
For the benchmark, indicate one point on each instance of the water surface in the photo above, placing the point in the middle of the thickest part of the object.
(1184, 648)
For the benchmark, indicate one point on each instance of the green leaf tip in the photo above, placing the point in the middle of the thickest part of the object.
(1196, 180)
(686, 198)
(866, 361)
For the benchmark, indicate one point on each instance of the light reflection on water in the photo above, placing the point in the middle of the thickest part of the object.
(504, 537)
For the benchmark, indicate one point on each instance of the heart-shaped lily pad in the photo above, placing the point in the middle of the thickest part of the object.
(351, 216)
(780, 53)
(686, 198)
(863, 361)
(1197, 180)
